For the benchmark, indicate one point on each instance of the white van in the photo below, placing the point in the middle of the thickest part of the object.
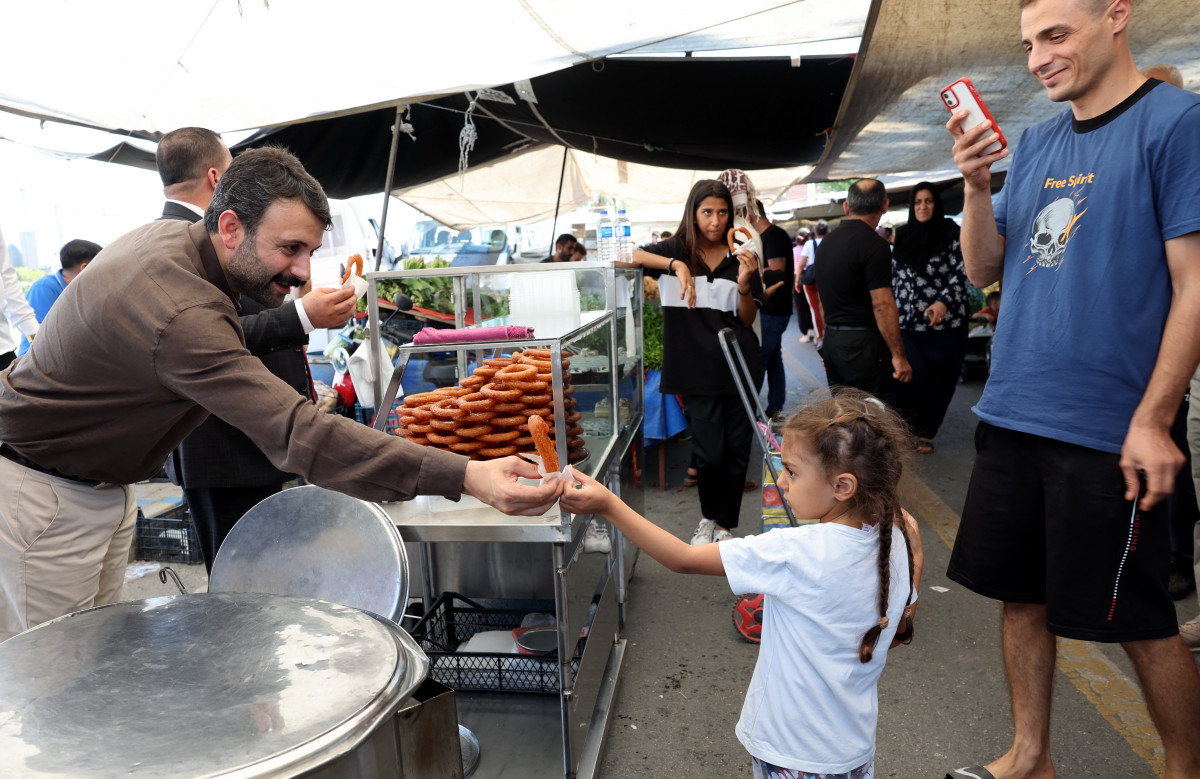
(351, 233)
(480, 245)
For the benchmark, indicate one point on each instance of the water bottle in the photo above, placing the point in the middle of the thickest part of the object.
(624, 230)
(606, 239)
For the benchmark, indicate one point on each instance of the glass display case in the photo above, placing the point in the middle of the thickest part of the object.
(481, 569)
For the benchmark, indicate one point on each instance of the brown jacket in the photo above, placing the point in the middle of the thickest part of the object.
(141, 348)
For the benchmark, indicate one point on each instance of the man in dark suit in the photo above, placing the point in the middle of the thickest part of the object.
(222, 473)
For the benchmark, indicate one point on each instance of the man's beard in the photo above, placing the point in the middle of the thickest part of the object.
(249, 275)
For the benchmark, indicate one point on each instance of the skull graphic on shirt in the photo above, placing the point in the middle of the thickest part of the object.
(1051, 231)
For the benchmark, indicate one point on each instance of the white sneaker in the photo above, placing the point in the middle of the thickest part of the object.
(704, 533)
(1190, 631)
(721, 534)
(596, 540)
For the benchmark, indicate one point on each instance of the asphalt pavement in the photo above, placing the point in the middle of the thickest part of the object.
(943, 699)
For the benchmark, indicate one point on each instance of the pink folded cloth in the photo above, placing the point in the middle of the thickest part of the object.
(433, 335)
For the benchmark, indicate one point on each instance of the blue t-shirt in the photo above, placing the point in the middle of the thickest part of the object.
(1084, 211)
(41, 295)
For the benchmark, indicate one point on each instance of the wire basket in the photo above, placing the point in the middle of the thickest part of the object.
(453, 619)
(169, 537)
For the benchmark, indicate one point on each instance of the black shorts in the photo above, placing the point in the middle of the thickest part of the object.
(1047, 522)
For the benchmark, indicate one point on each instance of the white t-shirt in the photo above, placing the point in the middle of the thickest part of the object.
(811, 704)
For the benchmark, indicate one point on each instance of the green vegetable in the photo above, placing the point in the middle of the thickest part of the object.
(652, 334)
(433, 294)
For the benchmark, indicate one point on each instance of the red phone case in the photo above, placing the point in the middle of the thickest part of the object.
(963, 102)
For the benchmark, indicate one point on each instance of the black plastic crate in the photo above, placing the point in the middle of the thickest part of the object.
(453, 619)
(169, 537)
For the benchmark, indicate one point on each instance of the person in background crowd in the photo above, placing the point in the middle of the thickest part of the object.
(1181, 508)
(1190, 630)
(695, 264)
(222, 472)
(930, 285)
(17, 310)
(655, 237)
(991, 312)
(140, 350)
(1168, 74)
(666, 234)
(776, 309)
(862, 345)
(580, 253)
(564, 247)
(73, 257)
(1074, 445)
(808, 278)
(799, 301)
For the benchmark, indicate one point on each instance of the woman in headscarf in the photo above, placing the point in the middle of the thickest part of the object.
(930, 285)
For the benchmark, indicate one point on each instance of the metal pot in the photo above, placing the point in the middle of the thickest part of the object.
(215, 684)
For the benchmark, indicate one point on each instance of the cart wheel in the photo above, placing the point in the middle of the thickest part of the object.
(747, 617)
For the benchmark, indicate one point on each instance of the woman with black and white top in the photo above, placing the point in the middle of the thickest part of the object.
(705, 288)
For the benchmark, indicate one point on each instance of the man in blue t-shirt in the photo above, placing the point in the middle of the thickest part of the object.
(74, 257)
(1096, 237)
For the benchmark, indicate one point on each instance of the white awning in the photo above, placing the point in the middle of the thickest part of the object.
(523, 188)
(149, 66)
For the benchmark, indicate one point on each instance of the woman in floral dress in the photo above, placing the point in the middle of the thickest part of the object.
(930, 285)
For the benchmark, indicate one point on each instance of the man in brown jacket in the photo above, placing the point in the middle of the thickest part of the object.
(143, 348)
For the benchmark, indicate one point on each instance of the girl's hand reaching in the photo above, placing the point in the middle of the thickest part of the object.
(590, 497)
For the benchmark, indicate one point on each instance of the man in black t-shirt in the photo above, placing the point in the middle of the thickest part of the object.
(778, 280)
(854, 276)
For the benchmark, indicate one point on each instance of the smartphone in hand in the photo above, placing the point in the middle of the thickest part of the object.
(961, 94)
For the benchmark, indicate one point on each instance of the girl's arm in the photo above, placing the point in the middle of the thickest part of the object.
(772, 289)
(676, 266)
(594, 498)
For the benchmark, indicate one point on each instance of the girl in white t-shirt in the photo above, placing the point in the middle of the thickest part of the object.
(835, 591)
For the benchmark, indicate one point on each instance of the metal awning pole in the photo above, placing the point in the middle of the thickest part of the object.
(387, 186)
(558, 201)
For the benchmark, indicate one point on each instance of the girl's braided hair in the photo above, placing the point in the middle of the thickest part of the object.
(853, 432)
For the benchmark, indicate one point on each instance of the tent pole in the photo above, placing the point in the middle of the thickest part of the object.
(387, 186)
(558, 202)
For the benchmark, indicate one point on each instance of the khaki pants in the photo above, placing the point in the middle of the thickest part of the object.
(1193, 439)
(64, 545)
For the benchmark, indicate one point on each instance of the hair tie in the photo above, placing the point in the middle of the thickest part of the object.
(876, 401)
(883, 623)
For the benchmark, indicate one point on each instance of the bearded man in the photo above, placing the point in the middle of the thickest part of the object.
(140, 350)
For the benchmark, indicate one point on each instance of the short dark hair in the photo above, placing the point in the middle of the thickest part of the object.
(866, 197)
(1098, 6)
(186, 154)
(77, 252)
(821, 228)
(259, 177)
(993, 295)
(564, 239)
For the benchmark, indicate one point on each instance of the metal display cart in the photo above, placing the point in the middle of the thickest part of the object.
(481, 572)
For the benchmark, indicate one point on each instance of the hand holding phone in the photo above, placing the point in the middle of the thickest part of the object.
(961, 94)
